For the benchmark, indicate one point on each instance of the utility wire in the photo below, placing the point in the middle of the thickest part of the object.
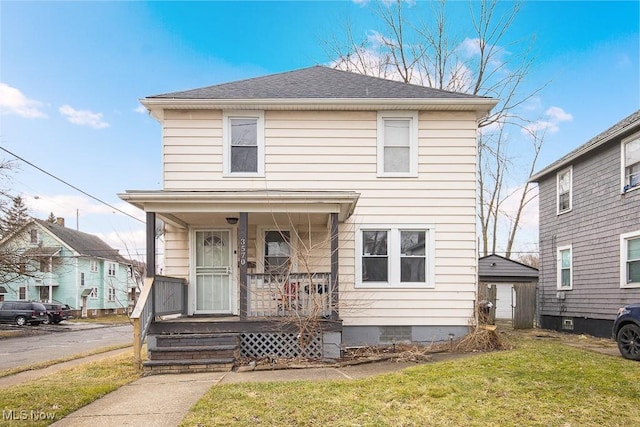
(70, 185)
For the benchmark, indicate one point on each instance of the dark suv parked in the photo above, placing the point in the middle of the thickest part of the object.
(55, 313)
(22, 312)
(626, 331)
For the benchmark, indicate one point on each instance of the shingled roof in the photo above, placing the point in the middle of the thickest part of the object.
(83, 243)
(316, 82)
(626, 125)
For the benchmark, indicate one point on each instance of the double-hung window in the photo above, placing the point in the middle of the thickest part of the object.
(111, 268)
(564, 183)
(395, 256)
(243, 135)
(565, 268)
(277, 252)
(111, 294)
(630, 260)
(397, 151)
(631, 164)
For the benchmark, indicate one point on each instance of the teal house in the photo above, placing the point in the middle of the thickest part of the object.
(61, 265)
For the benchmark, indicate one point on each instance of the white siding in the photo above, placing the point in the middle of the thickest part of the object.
(309, 150)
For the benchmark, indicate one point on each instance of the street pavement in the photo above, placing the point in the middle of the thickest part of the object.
(66, 339)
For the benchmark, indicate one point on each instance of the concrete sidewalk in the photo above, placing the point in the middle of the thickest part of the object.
(164, 400)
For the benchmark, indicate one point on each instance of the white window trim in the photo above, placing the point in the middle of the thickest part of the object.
(559, 268)
(413, 143)
(293, 247)
(226, 138)
(623, 164)
(570, 170)
(111, 294)
(93, 266)
(623, 260)
(92, 294)
(115, 269)
(393, 252)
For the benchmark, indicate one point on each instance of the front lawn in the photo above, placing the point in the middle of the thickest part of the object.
(536, 384)
(51, 397)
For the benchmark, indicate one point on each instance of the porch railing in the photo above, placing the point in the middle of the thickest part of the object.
(299, 294)
(160, 296)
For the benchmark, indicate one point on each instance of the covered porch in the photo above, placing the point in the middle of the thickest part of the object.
(252, 263)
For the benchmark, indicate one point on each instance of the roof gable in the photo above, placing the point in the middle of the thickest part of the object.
(497, 268)
(83, 243)
(316, 82)
(627, 125)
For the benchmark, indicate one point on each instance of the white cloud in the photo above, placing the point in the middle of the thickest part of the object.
(140, 109)
(12, 101)
(83, 117)
(550, 121)
(470, 47)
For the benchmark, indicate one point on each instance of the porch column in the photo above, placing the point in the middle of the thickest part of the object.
(334, 267)
(243, 238)
(151, 244)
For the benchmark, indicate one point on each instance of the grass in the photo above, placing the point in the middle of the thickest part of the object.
(63, 392)
(536, 384)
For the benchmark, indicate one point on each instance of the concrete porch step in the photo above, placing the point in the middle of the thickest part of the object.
(151, 367)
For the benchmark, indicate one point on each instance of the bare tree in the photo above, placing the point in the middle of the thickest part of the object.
(485, 62)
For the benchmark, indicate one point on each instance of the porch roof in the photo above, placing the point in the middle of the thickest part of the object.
(171, 205)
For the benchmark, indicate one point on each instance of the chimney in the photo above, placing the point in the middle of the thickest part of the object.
(60, 221)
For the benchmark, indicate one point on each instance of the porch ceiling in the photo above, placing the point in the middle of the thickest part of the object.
(193, 207)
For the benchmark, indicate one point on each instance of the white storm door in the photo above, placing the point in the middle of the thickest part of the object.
(213, 272)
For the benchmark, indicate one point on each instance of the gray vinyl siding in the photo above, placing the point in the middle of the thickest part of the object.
(599, 215)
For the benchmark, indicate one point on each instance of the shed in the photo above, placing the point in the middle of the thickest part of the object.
(510, 286)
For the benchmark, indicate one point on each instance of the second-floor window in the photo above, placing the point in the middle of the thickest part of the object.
(111, 266)
(397, 144)
(45, 266)
(565, 268)
(81, 279)
(243, 135)
(564, 182)
(631, 162)
(93, 265)
(34, 236)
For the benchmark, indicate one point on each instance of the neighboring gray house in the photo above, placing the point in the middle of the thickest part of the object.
(590, 232)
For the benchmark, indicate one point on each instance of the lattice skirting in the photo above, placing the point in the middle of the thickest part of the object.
(285, 345)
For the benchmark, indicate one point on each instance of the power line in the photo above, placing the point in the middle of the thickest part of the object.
(71, 185)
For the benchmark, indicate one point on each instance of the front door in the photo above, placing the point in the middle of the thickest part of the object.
(213, 272)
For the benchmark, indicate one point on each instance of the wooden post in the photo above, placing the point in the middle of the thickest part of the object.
(151, 244)
(243, 239)
(335, 296)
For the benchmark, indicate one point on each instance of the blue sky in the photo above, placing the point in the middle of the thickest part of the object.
(71, 74)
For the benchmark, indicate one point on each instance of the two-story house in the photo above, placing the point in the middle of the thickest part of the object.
(590, 232)
(66, 266)
(317, 194)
